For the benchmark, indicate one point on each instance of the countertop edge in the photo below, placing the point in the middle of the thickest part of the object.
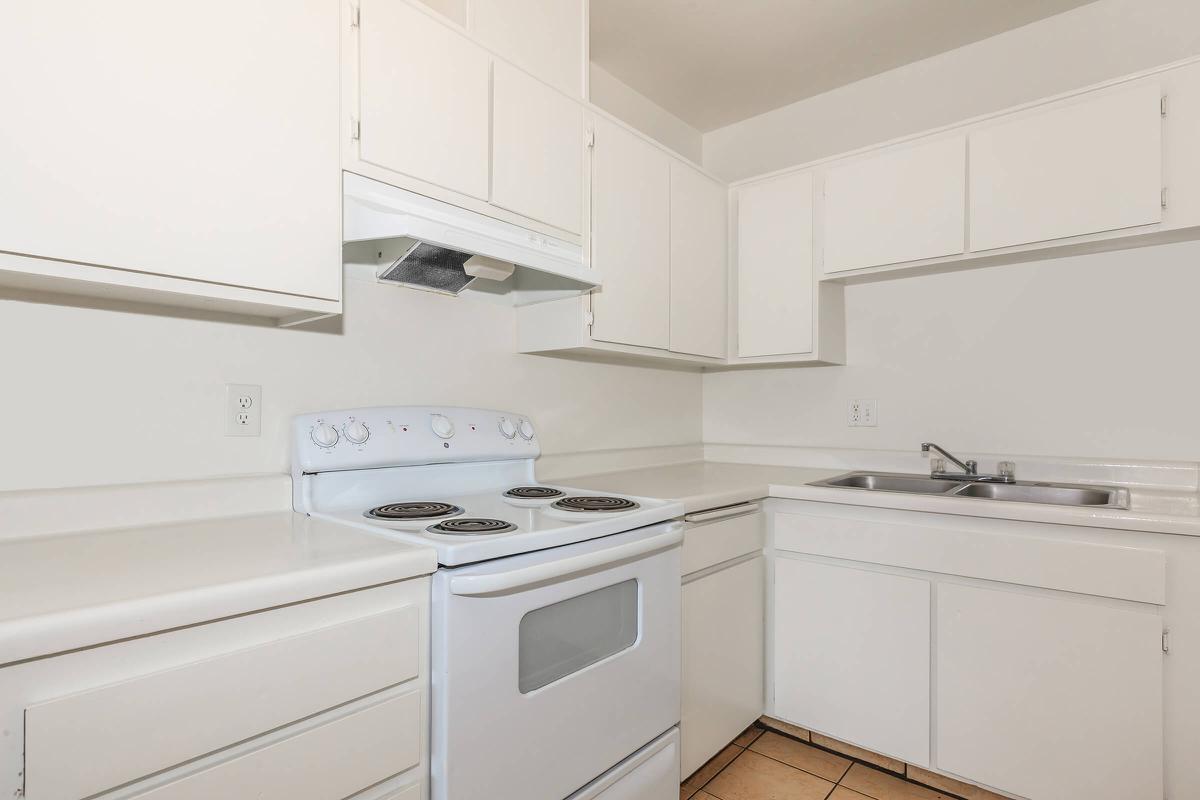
(46, 635)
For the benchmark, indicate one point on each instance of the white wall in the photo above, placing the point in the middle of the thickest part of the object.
(1087, 356)
(641, 112)
(1092, 356)
(100, 396)
(1089, 44)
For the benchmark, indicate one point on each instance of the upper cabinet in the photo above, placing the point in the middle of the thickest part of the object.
(423, 98)
(631, 238)
(902, 203)
(546, 38)
(699, 274)
(432, 110)
(538, 150)
(1086, 166)
(775, 266)
(188, 158)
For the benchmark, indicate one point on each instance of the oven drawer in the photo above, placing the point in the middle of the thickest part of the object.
(329, 762)
(90, 741)
(651, 773)
(716, 536)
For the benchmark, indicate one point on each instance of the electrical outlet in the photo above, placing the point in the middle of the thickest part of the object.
(862, 414)
(243, 409)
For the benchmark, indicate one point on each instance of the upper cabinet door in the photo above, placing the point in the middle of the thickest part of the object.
(423, 98)
(775, 266)
(199, 140)
(905, 203)
(1084, 166)
(631, 224)
(546, 38)
(537, 150)
(699, 277)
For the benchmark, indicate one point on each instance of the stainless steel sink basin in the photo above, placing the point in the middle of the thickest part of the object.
(1061, 494)
(887, 482)
(1055, 494)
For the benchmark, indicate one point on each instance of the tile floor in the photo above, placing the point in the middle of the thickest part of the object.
(765, 765)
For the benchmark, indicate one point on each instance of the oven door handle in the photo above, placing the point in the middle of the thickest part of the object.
(553, 570)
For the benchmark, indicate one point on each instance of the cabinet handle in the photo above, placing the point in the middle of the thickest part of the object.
(723, 513)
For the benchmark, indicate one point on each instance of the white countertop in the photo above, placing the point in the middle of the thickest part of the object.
(701, 485)
(66, 591)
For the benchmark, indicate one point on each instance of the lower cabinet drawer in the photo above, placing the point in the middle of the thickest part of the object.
(329, 762)
(713, 537)
(91, 741)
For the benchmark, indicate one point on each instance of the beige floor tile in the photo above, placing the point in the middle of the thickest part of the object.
(842, 793)
(785, 727)
(755, 777)
(882, 786)
(747, 736)
(886, 762)
(714, 765)
(802, 756)
(964, 790)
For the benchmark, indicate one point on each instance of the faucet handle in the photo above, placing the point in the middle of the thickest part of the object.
(1006, 469)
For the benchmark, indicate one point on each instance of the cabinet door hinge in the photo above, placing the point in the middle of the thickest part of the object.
(1163, 197)
(1166, 640)
(1162, 105)
(589, 137)
(355, 16)
(355, 129)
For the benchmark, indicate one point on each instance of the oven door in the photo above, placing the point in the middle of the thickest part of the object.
(549, 668)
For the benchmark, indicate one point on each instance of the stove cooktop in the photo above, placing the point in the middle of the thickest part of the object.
(505, 521)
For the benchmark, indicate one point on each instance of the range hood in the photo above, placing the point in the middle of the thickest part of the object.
(432, 245)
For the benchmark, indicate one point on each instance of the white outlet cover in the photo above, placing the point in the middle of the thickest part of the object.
(862, 413)
(243, 409)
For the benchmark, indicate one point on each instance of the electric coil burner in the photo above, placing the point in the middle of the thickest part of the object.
(533, 493)
(594, 503)
(413, 511)
(469, 526)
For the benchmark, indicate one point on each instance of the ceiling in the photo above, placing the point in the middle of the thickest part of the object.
(714, 62)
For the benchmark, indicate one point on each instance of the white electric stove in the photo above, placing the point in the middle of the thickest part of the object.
(555, 612)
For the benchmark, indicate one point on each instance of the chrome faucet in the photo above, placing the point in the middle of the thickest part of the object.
(970, 469)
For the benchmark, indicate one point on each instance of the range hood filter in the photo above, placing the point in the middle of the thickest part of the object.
(427, 266)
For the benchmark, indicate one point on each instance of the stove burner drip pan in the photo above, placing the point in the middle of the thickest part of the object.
(469, 526)
(594, 503)
(413, 511)
(533, 493)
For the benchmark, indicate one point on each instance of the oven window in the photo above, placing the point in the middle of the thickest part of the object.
(558, 640)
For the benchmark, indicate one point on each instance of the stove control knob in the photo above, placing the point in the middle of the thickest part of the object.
(442, 426)
(526, 429)
(507, 429)
(356, 432)
(324, 435)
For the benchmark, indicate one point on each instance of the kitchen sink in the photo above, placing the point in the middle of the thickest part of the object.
(1059, 494)
(890, 482)
(1055, 494)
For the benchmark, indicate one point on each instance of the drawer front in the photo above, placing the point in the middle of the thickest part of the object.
(84, 743)
(329, 762)
(709, 543)
(951, 545)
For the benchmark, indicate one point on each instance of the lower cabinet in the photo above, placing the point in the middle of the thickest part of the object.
(724, 615)
(1048, 697)
(313, 701)
(1026, 658)
(722, 659)
(852, 656)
